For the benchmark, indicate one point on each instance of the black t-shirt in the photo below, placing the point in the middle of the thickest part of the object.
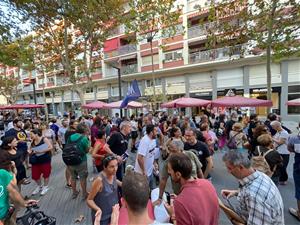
(21, 136)
(202, 150)
(118, 143)
(252, 125)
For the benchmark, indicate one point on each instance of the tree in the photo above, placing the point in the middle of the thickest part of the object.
(153, 17)
(268, 27)
(18, 54)
(76, 31)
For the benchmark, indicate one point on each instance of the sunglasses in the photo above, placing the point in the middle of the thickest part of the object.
(109, 158)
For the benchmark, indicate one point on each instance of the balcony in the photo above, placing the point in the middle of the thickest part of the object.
(200, 30)
(122, 50)
(129, 69)
(216, 54)
(27, 88)
(126, 49)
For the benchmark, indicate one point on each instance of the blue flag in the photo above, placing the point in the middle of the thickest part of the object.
(133, 93)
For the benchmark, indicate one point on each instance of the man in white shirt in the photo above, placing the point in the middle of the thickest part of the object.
(281, 140)
(146, 153)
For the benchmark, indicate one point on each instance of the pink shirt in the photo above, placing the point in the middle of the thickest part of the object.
(197, 204)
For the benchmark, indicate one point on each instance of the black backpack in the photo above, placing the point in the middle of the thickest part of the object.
(71, 153)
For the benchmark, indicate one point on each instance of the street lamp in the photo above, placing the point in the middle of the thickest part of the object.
(119, 83)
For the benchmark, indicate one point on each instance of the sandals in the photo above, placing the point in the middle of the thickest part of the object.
(294, 213)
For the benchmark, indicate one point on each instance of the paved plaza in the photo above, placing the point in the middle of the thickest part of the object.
(58, 203)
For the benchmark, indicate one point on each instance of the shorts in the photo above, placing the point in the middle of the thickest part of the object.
(134, 134)
(38, 169)
(80, 170)
(296, 175)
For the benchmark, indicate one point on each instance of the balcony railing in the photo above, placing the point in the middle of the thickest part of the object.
(199, 30)
(125, 49)
(129, 69)
(27, 88)
(122, 50)
(216, 54)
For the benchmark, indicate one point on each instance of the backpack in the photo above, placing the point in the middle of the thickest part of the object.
(260, 163)
(71, 153)
(232, 143)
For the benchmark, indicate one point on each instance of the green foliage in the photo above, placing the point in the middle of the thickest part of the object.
(260, 24)
(70, 33)
(268, 28)
(151, 16)
(19, 54)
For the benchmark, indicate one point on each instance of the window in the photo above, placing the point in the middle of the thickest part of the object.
(149, 83)
(41, 81)
(146, 61)
(89, 90)
(50, 80)
(173, 56)
(115, 91)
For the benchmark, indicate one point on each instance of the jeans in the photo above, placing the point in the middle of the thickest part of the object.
(296, 175)
(151, 182)
(283, 177)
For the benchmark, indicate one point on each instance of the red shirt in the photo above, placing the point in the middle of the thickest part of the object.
(197, 204)
(101, 151)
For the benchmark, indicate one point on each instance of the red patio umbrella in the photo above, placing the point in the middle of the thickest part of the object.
(132, 104)
(239, 101)
(295, 102)
(95, 105)
(23, 106)
(185, 102)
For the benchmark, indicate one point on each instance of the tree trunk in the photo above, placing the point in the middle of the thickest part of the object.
(153, 78)
(44, 99)
(269, 53)
(80, 93)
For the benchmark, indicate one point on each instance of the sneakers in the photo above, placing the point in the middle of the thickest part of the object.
(41, 189)
(44, 190)
(37, 190)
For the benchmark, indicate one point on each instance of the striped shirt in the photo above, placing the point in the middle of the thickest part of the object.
(260, 200)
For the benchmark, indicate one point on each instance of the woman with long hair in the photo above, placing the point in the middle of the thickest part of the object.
(100, 149)
(40, 159)
(9, 144)
(95, 129)
(104, 191)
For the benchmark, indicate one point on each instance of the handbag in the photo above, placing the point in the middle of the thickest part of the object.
(33, 159)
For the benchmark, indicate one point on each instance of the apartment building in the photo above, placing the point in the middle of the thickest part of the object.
(184, 67)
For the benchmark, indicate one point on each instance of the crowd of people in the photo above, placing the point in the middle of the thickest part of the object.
(175, 147)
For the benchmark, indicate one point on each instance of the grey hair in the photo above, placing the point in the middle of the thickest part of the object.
(275, 123)
(124, 123)
(237, 159)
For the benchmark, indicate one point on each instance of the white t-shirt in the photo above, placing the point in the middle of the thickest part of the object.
(282, 149)
(159, 223)
(147, 149)
(134, 125)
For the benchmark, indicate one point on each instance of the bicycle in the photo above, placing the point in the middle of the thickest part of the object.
(33, 216)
